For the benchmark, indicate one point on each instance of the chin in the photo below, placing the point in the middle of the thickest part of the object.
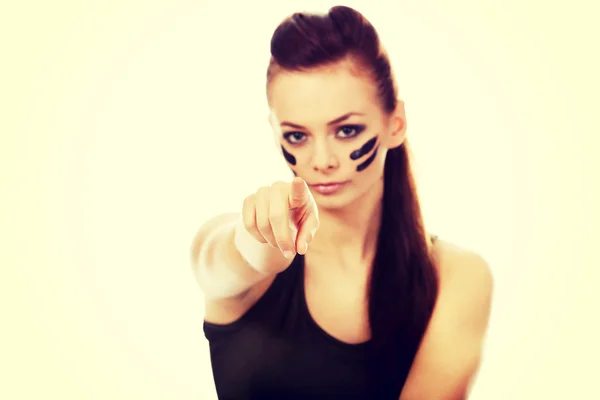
(335, 202)
(352, 197)
(331, 204)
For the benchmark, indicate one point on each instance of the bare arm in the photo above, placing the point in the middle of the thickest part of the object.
(449, 356)
(219, 266)
(234, 252)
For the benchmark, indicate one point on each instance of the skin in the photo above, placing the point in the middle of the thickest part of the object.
(449, 355)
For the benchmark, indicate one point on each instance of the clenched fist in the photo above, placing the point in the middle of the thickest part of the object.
(284, 215)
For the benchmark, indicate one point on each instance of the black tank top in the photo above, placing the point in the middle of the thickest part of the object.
(277, 351)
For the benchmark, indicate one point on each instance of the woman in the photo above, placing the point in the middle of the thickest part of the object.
(328, 286)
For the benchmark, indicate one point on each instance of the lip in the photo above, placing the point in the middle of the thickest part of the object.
(328, 188)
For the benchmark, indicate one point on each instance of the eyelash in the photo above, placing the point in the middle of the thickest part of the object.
(356, 128)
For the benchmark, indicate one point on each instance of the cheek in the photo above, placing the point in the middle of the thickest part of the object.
(362, 160)
(289, 157)
(373, 170)
(367, 163)
(371, 175)
(364, 156)
(295, 157)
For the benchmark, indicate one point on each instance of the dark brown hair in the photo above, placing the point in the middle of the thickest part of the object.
(403, 283)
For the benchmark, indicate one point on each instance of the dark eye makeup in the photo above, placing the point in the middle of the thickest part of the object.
(344, 132)
(294, 137)
(351, 131)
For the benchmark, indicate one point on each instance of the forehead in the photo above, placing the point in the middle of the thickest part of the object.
(321, 95)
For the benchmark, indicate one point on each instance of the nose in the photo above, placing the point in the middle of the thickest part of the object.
(323, 157)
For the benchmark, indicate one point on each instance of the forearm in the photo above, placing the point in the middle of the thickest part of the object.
(229, 260)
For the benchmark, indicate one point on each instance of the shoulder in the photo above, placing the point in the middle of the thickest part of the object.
(463, 306)
(462, 272)
(450, 351)
(465, 289)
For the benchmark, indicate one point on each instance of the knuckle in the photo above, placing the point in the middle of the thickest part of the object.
(284, 244)
(277, 189)
(276, 217)
(277, 184)
(248, 216)
(248, 202)
(248, 223)
(279, 205)
(261, 191)
(259, 238)
(263, 226)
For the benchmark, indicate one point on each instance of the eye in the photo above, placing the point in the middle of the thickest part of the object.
(294, 137)
(350, 131)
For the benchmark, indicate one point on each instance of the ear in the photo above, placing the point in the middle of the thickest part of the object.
(397, 126)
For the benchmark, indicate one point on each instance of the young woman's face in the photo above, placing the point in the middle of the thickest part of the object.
(333, 131)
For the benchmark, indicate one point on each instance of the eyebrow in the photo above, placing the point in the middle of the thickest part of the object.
(335, 121)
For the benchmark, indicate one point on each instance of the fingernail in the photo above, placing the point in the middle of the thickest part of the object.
(288, 254)
(305, 248)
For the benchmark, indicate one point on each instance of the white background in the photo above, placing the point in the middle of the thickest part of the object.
(126, 124)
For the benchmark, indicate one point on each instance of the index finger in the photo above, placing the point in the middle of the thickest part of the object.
(306, 232)
(298, 193)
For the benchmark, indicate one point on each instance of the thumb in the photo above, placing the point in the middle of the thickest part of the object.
(298, 193)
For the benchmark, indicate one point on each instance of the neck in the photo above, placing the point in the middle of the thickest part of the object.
(350, 234)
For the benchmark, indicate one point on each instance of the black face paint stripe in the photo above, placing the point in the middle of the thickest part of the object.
(368, 161)
(365, 149)
(288, 157)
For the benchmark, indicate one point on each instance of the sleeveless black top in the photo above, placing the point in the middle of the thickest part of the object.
(277, 351)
